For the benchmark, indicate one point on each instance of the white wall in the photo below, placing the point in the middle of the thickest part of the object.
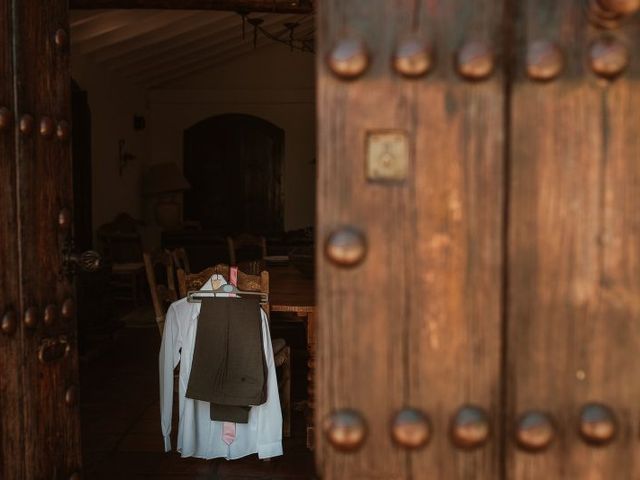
(113, 103)
(272, 83)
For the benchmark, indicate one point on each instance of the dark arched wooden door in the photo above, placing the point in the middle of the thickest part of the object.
(234, 164)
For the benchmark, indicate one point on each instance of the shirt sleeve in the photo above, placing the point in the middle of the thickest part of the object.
(168, 360)
(270, 419)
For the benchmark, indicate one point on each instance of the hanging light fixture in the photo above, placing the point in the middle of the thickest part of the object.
(291, 33)
(291, 26)
(256, 22)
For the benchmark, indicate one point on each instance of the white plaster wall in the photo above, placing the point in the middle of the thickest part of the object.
(272, 83)
(113, 102)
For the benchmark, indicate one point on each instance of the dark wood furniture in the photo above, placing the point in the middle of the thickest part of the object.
(121, 246)
(181, 260)
(127, 282)
(163, 290)
(246, 246)
(206, 247)
(292, 292)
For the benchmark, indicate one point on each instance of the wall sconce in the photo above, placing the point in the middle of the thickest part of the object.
(124, 157)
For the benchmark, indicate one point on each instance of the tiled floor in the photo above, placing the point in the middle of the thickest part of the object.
(121, 423)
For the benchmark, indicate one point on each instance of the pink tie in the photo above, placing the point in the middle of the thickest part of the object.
(229, 428)
(228, 432)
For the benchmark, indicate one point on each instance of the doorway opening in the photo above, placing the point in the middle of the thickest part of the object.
(242, 156)
(197, 141)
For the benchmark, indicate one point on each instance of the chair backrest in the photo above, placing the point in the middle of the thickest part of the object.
(256, 244)
(181, 260)
(120, 240)
(249, 283)
(162, 294)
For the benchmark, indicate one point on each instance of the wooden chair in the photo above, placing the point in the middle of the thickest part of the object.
(121, 245)
(181, 260)
(162, 295)
(245, 242)
(281, 351)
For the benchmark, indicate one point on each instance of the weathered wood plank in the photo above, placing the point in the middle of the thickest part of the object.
(574, 262)
(131, 28)
(361, 346)
(454, 263)
(418, 324)
(52, 445)
(456, 337)
(11, 424)
(274, 6)
(151, 43)
(183, 59)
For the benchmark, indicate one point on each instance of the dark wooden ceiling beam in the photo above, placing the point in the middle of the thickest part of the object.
(116, 33)
(153, 43)
(198, 53)
(273, 6)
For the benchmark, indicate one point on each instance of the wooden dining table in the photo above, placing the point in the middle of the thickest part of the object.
(292, 292)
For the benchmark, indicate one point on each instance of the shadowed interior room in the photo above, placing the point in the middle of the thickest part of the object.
(304, 239)
(194, 147)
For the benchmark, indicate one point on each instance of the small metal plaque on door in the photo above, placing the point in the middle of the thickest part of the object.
(387, 155)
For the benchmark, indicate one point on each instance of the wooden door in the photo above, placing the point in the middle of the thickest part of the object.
(234, 162)
(410, 238)
(479, 240)
(38, 394)
(573, 345)
(11, 422)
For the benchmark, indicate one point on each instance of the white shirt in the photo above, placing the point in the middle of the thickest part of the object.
(198, 435)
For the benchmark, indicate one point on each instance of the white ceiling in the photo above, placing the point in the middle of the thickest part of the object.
(155, 47)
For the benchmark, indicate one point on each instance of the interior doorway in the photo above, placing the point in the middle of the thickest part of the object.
(242, 156)
(202, 133)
